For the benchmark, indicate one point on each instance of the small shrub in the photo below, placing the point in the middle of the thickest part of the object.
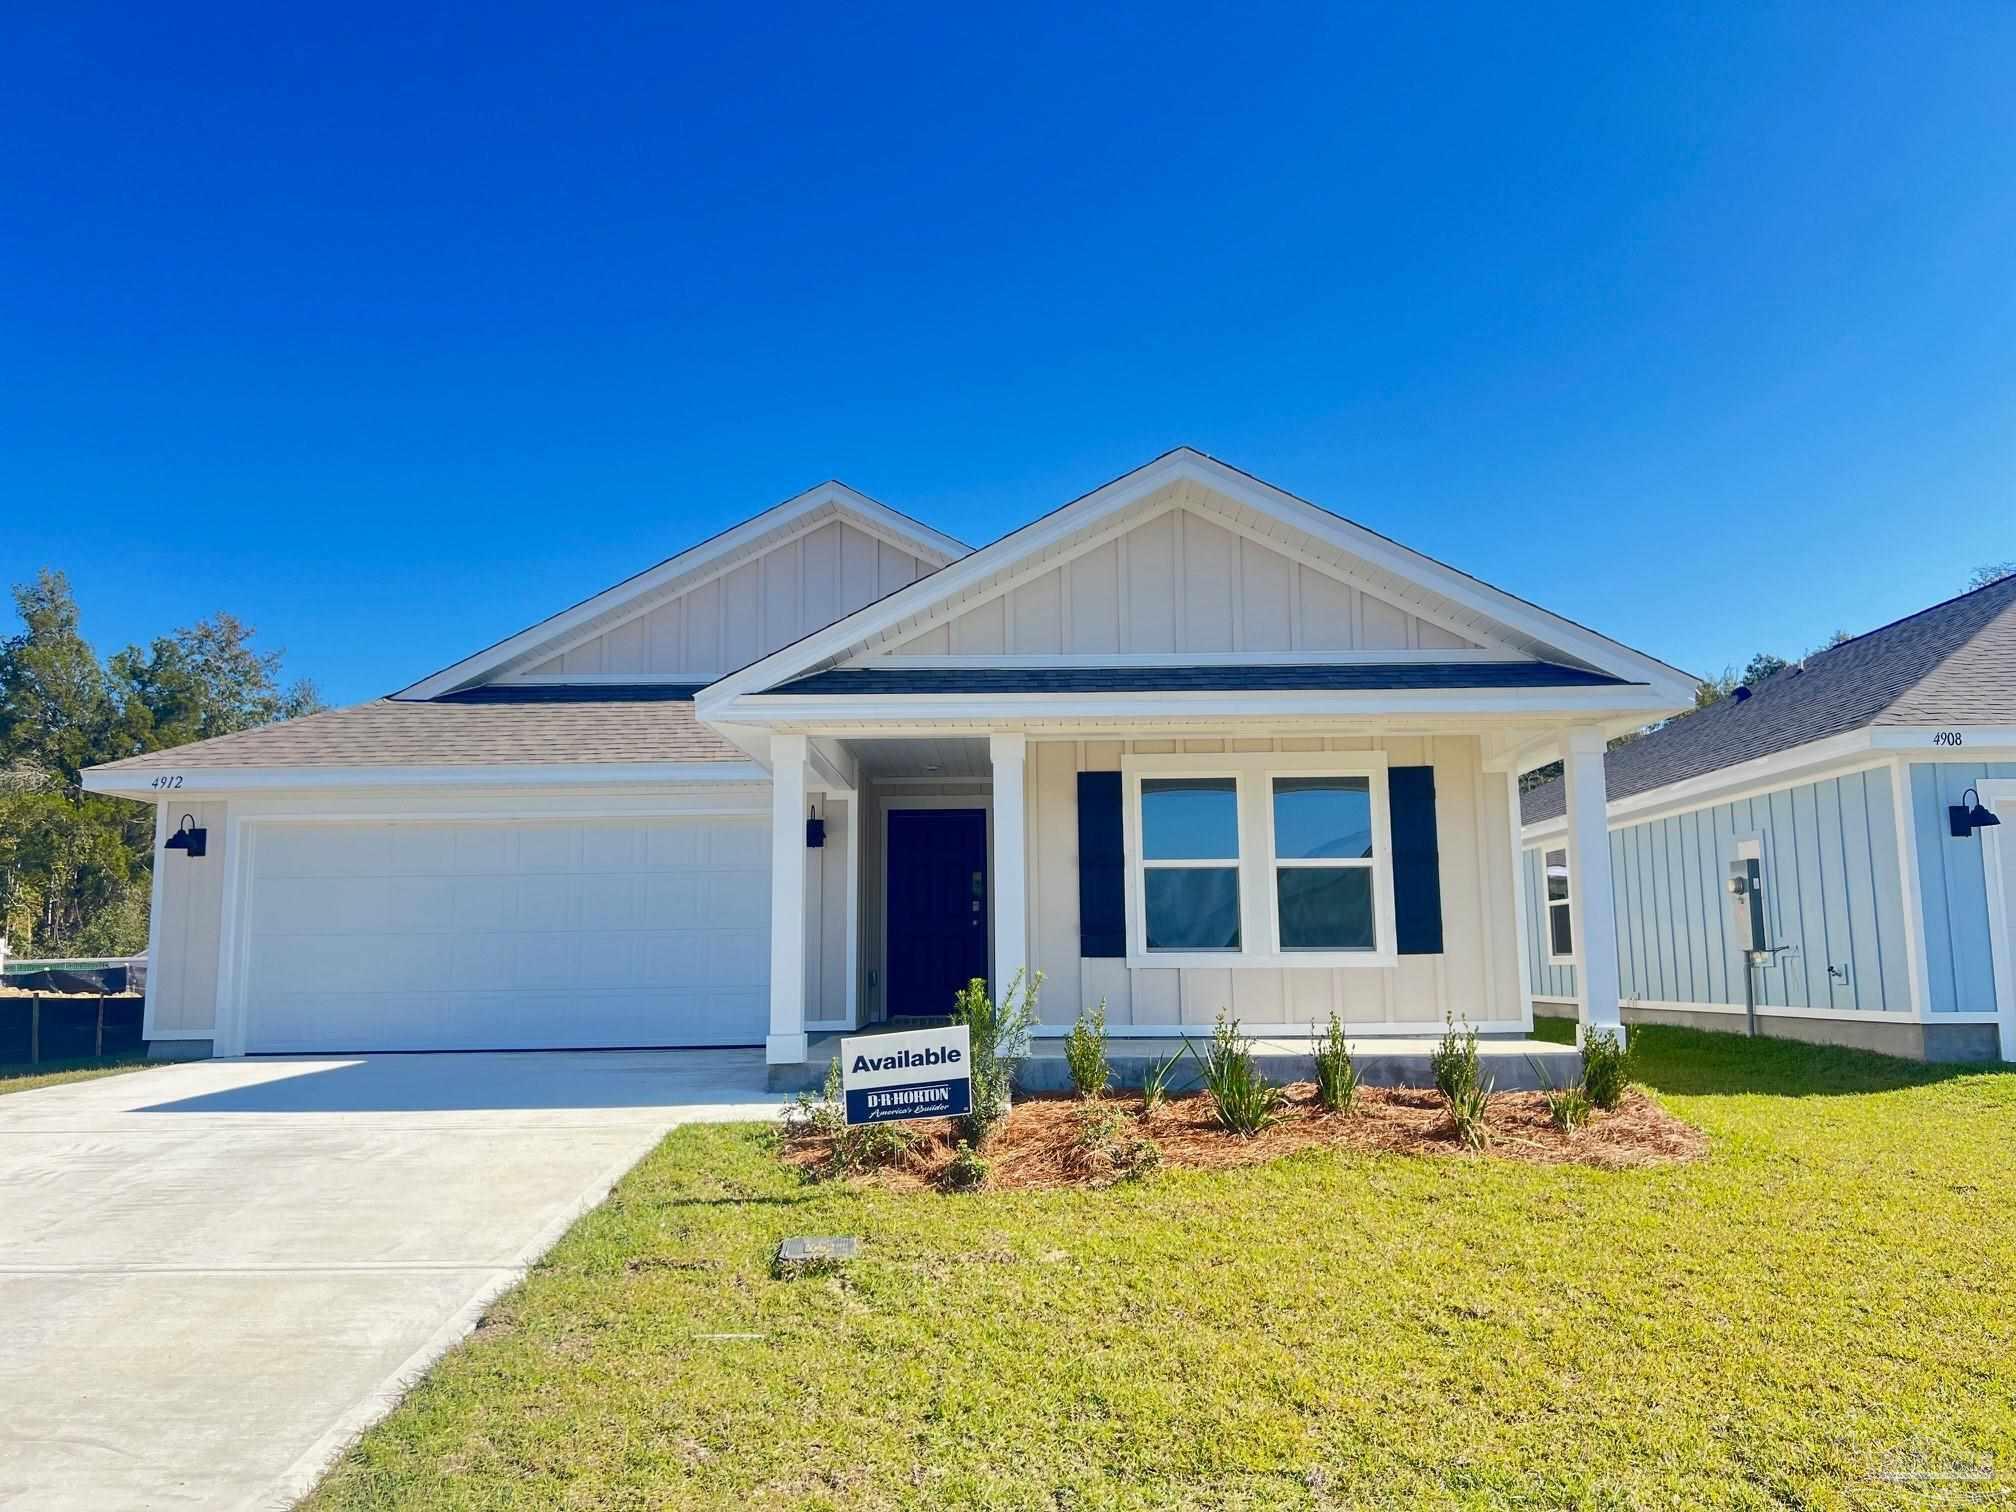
(1466, 1110)
(1000, 1038)
(1103, 1147)
(1144, 1158)
(820, 1114)
(1085, 1053)
(1243, 1099)
(1336, 1073)
(968, 1169)
(1155, 1082)
(1568, 1107)
(1605, 1068)
(870, 1147)
(1454, 1061)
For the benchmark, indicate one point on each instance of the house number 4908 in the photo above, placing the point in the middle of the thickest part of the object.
(1946, 737)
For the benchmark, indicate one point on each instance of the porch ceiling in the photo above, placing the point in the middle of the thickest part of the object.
(947, 758)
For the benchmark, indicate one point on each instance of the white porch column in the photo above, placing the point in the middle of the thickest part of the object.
(1592, 917)
(786, 1044)
(1011, 863)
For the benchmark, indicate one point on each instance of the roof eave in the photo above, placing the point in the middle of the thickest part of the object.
(171, 785)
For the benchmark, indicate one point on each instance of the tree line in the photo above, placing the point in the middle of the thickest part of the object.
(76, 867)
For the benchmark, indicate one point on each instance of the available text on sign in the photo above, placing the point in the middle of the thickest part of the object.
(924, 1073)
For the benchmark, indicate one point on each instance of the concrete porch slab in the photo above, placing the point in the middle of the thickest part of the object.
(1514, 1064)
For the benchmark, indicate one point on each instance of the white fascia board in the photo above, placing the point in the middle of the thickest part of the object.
(851, 709)
(917, 538)
(1674, 689)
(1947, 742)
(1451, 583)
(947, 583)
(1817, 759)
(193, 780)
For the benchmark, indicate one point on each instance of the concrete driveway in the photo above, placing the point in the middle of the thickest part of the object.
(212, 1276)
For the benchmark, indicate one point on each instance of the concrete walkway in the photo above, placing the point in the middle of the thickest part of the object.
(212, 1276)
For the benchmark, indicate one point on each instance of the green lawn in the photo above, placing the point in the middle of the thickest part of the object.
(1827, 1300)
(16, 1078)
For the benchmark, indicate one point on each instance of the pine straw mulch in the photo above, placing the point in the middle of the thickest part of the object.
(1040, 1145)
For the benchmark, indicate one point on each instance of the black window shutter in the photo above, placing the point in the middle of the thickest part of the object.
(1417, 864)
(1102, 876)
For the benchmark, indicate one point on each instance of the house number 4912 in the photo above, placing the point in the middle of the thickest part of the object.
(1946, 737)
(172, 781)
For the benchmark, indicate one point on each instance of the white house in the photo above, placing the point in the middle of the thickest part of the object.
(1855, 784)
(1187, 743)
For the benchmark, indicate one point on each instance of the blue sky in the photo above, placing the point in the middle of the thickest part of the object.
(395, 329)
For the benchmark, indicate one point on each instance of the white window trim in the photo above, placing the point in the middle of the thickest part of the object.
(1259, 915)
(1549, 903)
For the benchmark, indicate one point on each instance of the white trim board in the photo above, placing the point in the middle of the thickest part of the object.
(1836, 756)
(308, 779)
(834, 498)
(1869, 1016)
(1184, 497)
(1998, 865)
(1256, 863)
(1057, 532)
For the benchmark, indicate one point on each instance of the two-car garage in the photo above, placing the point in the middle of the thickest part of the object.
(505, 934)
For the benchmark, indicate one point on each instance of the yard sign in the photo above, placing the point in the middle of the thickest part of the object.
(924, 1073)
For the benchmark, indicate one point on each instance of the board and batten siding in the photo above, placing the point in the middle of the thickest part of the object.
(1549, 980)
(1832, 892)
(759, 605)
(1475, 978)
(1180, 582)
(183, 941)
(1953, 887)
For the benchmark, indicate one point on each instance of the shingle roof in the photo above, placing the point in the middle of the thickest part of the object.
(1322, 677)
(481, 727)
(1952, 664)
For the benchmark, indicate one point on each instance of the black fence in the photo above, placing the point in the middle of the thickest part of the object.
(34, 1028)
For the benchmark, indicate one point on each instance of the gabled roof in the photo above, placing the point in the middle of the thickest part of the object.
(831, 500)
(1399, 573)
(1951, 664)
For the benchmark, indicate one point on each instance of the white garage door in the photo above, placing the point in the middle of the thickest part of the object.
(505, 936)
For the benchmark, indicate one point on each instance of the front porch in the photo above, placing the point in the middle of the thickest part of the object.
(1432, 933)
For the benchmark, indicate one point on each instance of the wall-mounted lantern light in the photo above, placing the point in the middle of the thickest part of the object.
(815, 832)
(190, 837)
(1964, 818)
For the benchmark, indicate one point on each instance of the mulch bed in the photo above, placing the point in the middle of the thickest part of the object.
(1040, 1146)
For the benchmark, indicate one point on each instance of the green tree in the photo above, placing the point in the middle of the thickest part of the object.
(202, 681)
(75, 867)
(56, 710)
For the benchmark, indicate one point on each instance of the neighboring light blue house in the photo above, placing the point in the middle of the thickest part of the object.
(1859, 781)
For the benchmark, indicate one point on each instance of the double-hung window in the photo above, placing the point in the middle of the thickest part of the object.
(1323, 857)
(1190, 862)
(1276, 859)
(1560, 930)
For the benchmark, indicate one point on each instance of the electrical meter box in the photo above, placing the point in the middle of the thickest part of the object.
(1746, 891)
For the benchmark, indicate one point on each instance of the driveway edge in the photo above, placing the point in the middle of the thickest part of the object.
(307, 1471)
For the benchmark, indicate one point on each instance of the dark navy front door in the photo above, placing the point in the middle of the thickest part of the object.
(937, 908)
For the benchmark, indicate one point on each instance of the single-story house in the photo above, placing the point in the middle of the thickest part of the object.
(1188, 744)
(1857, 781)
